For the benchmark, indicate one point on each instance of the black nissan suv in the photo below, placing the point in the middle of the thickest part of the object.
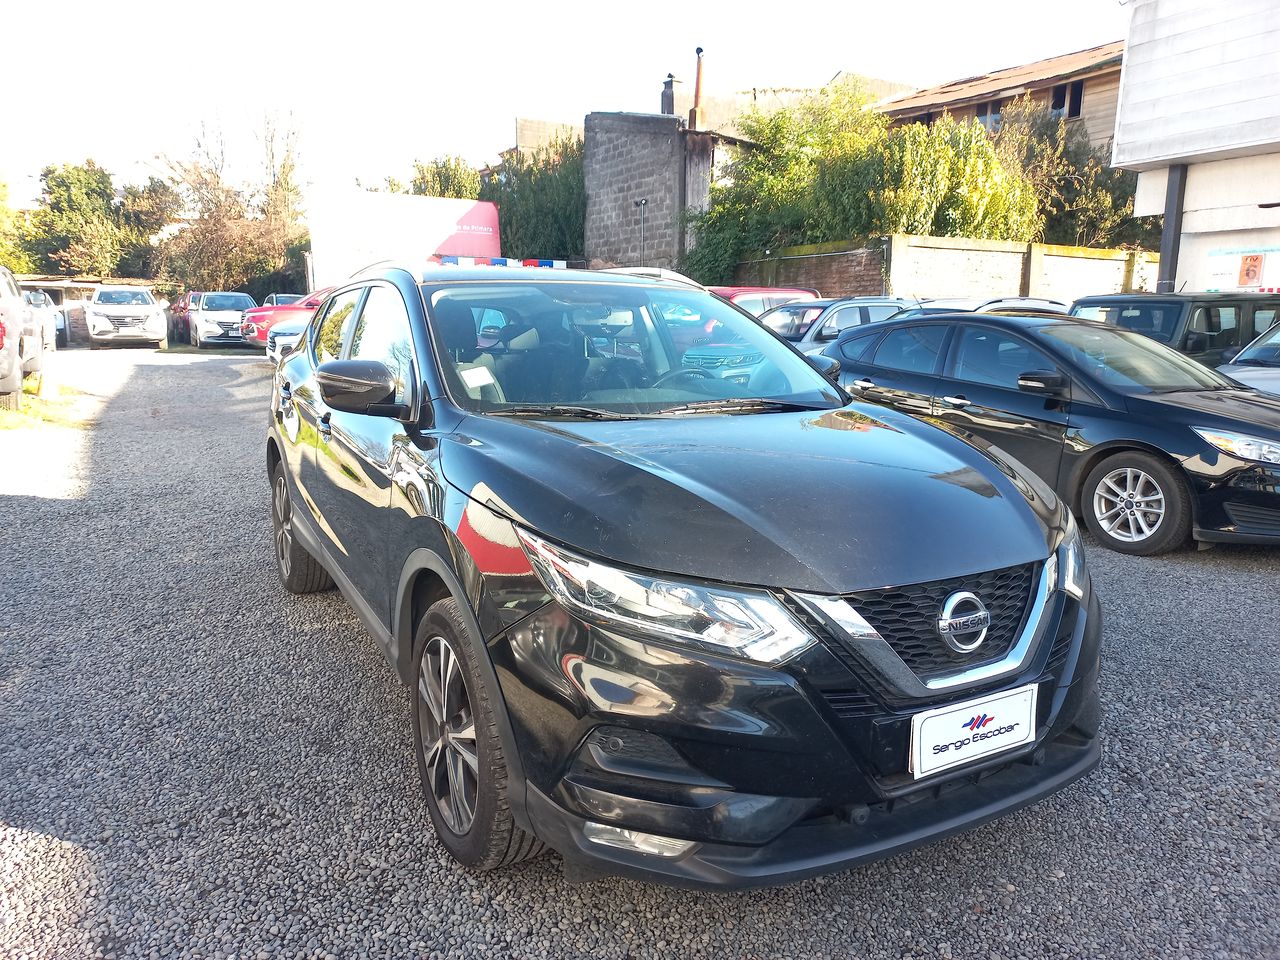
(700, 630)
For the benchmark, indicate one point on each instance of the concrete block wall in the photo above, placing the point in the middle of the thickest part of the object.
(627, 157)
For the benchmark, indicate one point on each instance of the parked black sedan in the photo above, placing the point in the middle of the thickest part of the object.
(1148, 445)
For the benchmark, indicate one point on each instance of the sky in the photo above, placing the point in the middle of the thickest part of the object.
(370, 87)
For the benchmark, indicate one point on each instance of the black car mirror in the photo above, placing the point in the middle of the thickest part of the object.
(1196, 343)
(1231, 353)
(829, 367)
(358, 386)
(1049, 382)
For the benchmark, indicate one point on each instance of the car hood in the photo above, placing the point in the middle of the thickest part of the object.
(1260, 378)
(829, 501)
(124, 309)
(1243, 409)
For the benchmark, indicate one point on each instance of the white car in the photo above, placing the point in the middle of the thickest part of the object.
(125, 315)
(1258, 364)
(283, 336)
(216, 319)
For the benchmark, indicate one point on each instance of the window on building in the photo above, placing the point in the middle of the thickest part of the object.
(1067, 98)
(988, 114)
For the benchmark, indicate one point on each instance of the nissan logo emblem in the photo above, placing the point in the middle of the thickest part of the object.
(963, 622)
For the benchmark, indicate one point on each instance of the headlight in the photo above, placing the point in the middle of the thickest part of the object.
(1241, 445)
(741, 623)
(1072, 573)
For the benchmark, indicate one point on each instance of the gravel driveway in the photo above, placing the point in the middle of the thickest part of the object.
(194, 763)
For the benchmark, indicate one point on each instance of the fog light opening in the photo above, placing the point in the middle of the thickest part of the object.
(649, 843)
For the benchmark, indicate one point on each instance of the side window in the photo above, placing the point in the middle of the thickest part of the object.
(855, 348)
(877, 312)
(1217, 323)
(1264, 318)
(839, 320)
(333, 325)
(995, 358)
(382, 333)
(753, 305)
(913, 349)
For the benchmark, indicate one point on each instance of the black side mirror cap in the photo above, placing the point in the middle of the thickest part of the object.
(1231, 353)
(1196, 343)
(358, 386)
(1049, 382)
(829, 367)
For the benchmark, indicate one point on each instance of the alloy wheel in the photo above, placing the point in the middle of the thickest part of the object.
(448, 735)
(284, 525)
(1129, 504)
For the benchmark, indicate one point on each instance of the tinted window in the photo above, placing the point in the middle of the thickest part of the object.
(791, 321)
(1130, 363)
(855, 348)
(995, 358)
(877, 312)
(227, 301)
(328, 343)
(753, 304)
(382, 333)
(914, 349)
(1156, 319)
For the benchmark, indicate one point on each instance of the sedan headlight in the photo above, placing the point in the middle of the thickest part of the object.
(1241, 445)
(741, 623)
(1072, 573)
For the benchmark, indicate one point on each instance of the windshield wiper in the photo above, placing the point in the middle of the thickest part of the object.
(563, 410)
(735, 404)
(1254, 362)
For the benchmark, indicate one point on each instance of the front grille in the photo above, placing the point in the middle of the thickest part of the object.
(1254, 519)
(123, 323)
(906, 617)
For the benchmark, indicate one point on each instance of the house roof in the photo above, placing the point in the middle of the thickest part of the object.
(1009, 82)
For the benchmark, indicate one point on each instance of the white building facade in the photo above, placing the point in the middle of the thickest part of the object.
(1199, 119)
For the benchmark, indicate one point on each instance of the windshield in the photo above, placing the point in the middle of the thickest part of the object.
(525, 347)
(1263, 352)
(226, 301)
(791, 321)
(1157, 319)
(122, 297)
(282, 298)
(1129, 362)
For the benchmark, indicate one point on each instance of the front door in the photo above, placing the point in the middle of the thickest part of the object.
(356, 452)
(979, 394)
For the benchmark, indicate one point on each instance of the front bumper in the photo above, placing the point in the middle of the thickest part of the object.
(127, 335)
(1236, 501)
(774, 774)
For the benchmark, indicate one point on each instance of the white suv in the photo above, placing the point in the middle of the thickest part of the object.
(125, 315)
(21, 345)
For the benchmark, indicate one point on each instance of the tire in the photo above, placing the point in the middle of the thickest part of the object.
(299, 571)
(1114, 497)
(483, 836)
(163, 343)
(195, 337)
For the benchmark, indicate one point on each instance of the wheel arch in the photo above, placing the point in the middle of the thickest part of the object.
(425, 579)
(1102, 452)
(274, 456)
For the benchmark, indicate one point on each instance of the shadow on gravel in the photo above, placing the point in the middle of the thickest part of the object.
(193, 762)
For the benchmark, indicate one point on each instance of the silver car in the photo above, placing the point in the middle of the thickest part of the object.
(809, 325)
(1257, 364)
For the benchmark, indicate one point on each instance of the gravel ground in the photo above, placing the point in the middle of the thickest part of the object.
(193, 763)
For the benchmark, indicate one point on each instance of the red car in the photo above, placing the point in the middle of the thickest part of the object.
(756, 300)
(256, 323)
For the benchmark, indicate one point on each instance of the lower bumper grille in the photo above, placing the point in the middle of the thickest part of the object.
(1254, 519)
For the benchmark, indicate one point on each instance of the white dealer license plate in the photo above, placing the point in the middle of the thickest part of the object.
(960, 733)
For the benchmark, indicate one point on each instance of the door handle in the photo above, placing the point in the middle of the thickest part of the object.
(864, 384)
(326, 431)
(956, 402)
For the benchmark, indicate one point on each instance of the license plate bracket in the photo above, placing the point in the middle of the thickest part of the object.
(960, 733)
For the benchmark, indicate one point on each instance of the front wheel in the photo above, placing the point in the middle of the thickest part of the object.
(1136, 504)
(460, 759)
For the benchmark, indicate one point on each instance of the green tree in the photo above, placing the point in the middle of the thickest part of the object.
(448, 176)
(542, 201)
(143, 213)
(13, 252)
(77, 228)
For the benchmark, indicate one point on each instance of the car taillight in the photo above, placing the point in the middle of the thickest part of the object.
(1, 334)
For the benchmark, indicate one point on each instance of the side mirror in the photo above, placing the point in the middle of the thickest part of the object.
(1196, 343)
(358, 386)
(1049, 382)
(825, 336)
(1231, 353)
(829, 367)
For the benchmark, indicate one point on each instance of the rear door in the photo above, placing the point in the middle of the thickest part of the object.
(979, 394)
(902, 370)
(1211, 329)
